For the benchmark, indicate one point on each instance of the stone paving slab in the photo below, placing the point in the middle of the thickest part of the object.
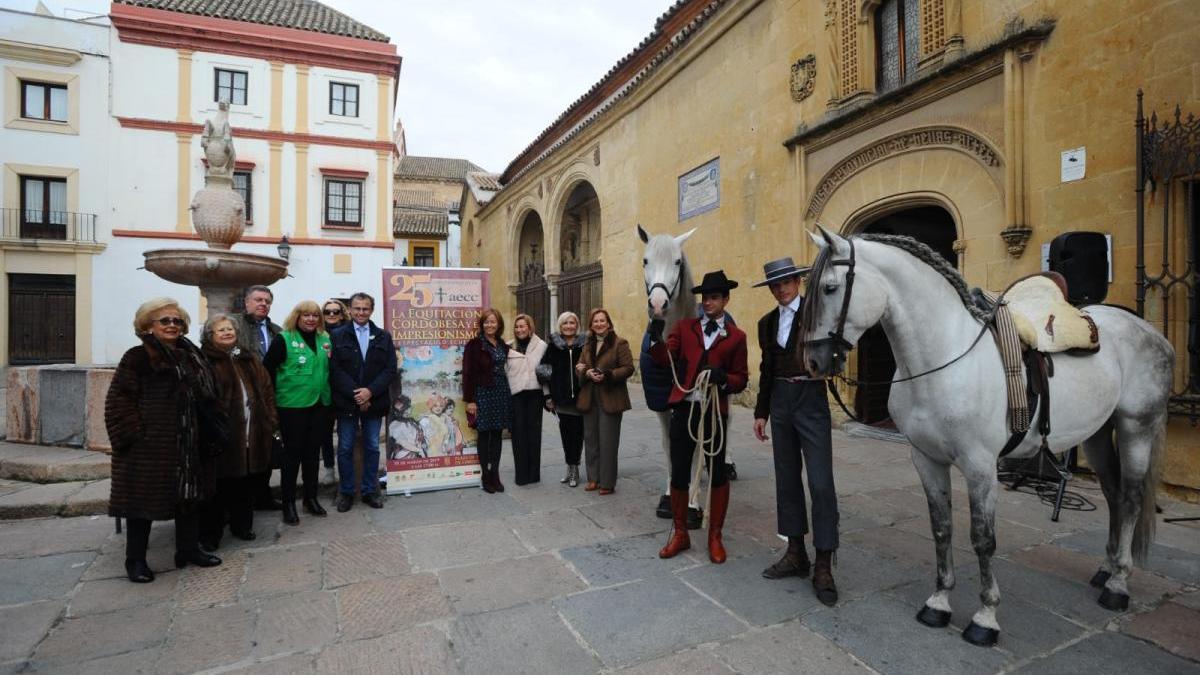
(447, 506)
(738, 586)
(375, 608)
(208, 638)
(92, 500)
(296, 664)
(562, 528)
(880, 630)
(50, 464)
(440, 546)
(28, 538)
(199, 588)
(526, 639)
(138, 662)
(37, 500)
(295, 623)
(1164, 560)
(283, 570)
(106, 595)
(497, 585)
(365, 559)
(787, 648)
(1109, 653)
(44, 578)
(688, 662)
(24, 626)
(98, 635)
(1144, 587)
(645, 619)
(423, 650)
(1173, 627)
(621, 560)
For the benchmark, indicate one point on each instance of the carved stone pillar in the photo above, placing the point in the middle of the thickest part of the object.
(954, 36)
(552, 286)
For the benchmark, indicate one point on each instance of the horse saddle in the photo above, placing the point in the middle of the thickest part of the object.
(1045, 321)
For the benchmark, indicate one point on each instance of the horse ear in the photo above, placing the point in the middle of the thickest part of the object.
(826, 234)
(819, 240)
(684, 237)
(642, 233)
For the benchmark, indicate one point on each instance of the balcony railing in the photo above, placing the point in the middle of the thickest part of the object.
(30, 224)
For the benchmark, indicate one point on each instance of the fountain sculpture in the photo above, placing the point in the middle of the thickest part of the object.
(218, 214)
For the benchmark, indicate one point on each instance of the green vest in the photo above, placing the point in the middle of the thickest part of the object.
(303, 378)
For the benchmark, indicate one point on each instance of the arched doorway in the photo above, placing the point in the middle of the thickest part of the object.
(581, 285)
(931, 225)
(533, 295)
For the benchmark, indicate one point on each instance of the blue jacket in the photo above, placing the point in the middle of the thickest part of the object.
(656, 379)
(348, 370)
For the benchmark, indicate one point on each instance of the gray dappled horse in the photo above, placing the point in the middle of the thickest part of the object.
(669, 297)
(958, 415)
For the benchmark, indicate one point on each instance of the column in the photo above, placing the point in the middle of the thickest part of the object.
(301, 225)
(383, 117)
(183, 112)
(302, 102)
(383, 197)
(954, 36)
(552, 285)
(275, 187)
(276, 96)
(183, 182)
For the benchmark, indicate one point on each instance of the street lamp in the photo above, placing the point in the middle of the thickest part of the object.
(284, 248)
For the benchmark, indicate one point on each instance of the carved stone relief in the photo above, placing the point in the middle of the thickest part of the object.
(804, 75)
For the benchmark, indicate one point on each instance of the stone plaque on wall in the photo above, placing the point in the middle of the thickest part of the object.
(700, 189)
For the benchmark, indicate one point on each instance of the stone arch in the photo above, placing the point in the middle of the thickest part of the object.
(565, 185)
(530, 254)
(576, 244)
(969, 189)
(512, 258)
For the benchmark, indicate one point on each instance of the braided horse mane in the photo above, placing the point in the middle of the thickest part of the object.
(920, 251)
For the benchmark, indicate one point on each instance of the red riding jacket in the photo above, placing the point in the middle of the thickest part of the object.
(686, 347)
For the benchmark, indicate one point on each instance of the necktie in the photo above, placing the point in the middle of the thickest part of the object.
(262, 337)
(710, 327)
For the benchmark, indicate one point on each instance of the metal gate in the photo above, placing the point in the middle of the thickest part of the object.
(41, 319)
(580, 290)
(533, 298)
(1168, 227)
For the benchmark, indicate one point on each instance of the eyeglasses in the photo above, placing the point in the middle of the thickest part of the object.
(171, 321)
(333, 312)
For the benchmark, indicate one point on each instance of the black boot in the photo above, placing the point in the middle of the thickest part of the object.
(314, 507)
(195, 557)
(289, 513)
(794, 562)
(138, 571)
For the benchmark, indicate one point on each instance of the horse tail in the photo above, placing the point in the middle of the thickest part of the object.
(1143, 530)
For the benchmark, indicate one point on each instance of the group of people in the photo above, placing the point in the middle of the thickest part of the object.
(197, 430)
(579, 378)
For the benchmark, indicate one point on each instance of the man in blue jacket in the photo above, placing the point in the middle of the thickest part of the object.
(361, 370)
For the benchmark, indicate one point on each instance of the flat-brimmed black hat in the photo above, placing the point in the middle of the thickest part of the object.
(778, 270)
(715, 282)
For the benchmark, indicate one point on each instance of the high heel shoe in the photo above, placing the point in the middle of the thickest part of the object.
(138, 571)
(195, 557)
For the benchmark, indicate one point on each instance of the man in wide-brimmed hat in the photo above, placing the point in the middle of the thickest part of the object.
(800, 424)
(711, 344)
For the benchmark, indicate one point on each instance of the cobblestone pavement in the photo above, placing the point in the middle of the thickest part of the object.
(548, 579)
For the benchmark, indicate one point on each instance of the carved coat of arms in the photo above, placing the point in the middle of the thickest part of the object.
(804, 74)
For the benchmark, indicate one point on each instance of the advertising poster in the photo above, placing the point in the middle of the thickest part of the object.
(431, 313)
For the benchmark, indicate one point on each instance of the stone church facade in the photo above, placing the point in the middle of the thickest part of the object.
(946, 120)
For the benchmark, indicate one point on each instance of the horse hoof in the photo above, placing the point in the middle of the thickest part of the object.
(1116, 602)
(980, 636)
(1100, 578)
(934, 618)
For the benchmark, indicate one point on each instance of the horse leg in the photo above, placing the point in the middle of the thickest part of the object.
(984, 630)
(1102, 458)
(935, 477)
(1135, 439)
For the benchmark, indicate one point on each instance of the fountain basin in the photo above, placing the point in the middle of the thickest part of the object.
(214, 267)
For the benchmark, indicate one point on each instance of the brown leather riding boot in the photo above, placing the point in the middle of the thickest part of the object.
(716, 521)
(822, 579)
(679, 540)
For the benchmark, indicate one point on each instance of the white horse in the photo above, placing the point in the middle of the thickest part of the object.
(957, 415)
(669, 298)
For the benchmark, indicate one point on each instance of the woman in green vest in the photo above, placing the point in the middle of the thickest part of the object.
(298, 359)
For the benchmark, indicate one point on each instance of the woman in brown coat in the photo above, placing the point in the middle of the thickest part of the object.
(604, 366)
(245, 390)
(162, 467)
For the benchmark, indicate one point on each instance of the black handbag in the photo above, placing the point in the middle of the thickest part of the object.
(214, 427)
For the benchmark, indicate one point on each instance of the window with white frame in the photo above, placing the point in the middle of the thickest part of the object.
(343, 202)
(230, 85)
(343, 99)
(44, 101)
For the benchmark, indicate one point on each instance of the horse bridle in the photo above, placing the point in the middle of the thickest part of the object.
(671, 292)
(842, 346)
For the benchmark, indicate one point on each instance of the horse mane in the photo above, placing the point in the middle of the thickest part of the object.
(920, 251)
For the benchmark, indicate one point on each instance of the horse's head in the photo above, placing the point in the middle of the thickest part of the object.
(663, 268)
(844, 299)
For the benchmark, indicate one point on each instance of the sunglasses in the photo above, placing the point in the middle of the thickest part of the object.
(333, 312)
(171, 321)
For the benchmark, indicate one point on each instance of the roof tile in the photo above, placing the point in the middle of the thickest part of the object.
(307, 15)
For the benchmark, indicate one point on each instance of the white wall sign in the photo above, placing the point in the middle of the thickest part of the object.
(700, 189)
(1074, 164)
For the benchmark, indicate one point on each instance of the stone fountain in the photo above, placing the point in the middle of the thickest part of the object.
(218, 214)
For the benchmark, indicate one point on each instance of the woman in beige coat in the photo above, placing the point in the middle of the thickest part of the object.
(525, 353)
(604, 367)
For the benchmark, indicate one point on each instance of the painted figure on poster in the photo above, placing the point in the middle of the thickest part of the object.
(406, 434)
